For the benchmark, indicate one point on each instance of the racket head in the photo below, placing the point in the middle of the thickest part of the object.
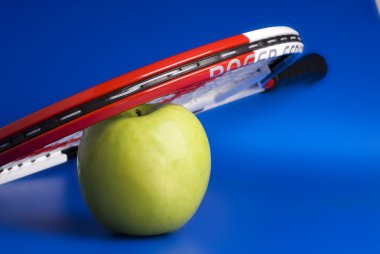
(199, 79)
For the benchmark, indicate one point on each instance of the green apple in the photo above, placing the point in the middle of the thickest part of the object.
(145, 171)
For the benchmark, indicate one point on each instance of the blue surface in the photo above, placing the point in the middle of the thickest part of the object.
(294, 171)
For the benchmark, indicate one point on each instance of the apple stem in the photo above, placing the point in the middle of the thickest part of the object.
(138, 112)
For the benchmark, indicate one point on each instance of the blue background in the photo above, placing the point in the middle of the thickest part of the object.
(294, 171)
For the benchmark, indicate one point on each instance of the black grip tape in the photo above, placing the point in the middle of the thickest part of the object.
(308, 69)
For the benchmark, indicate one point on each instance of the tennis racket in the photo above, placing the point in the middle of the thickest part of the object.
(200, 79)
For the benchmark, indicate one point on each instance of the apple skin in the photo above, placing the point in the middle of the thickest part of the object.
(145, 175)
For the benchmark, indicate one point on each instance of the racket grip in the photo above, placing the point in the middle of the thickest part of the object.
(308, 69)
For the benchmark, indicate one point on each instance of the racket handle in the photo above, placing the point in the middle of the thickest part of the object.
(308, 69)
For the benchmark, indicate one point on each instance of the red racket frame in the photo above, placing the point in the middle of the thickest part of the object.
(123, 81)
